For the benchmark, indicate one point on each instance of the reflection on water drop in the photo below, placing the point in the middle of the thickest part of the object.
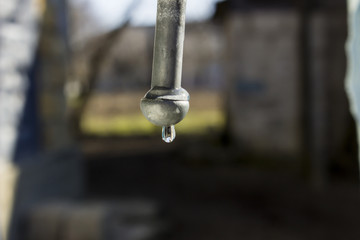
(168, 133)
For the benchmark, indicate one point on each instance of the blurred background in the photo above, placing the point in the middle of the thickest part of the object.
(267, 151)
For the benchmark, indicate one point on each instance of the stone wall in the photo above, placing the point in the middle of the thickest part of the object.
(263, 83)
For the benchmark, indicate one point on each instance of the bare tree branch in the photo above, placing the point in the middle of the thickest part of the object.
(97, 58)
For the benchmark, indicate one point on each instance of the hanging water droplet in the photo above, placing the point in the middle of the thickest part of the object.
(168, 133)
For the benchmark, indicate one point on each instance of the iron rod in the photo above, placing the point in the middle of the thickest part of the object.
(169, 44)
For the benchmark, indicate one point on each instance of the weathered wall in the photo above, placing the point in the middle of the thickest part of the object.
(266, 82)
(262, 66)
(38, 160)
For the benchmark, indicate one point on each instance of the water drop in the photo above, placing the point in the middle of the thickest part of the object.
(168, 133)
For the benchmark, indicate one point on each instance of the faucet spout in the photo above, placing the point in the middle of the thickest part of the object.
(166, 103)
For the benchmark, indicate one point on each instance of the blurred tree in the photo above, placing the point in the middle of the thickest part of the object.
(79, 89)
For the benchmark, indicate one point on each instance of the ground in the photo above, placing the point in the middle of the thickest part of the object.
(218, 199)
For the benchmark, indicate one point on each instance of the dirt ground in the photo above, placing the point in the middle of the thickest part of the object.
(219, 200)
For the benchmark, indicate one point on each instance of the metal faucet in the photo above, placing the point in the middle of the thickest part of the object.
(167, 103)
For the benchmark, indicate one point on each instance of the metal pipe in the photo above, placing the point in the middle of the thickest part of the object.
(166, 103)
(169, 44)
